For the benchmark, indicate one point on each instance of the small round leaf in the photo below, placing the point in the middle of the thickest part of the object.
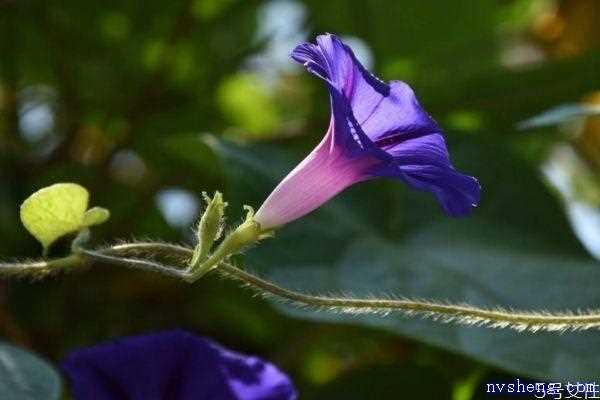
(55, 211)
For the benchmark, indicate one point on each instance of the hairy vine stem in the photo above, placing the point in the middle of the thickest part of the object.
(42, 268)
(463, 314)
(143, 255)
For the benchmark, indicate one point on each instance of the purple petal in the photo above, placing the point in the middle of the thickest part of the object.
(378, 108)
(172, 365)
(423, 163)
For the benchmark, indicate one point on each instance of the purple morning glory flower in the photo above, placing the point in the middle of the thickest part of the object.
(173, 365)
(376, 130)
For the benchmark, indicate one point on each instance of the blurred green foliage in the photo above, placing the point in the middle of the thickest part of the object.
(133, 101)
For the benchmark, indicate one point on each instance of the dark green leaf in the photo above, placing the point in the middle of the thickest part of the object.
(24, 376)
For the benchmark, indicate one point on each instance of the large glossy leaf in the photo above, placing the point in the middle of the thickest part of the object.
(24, 376)
(482, 261)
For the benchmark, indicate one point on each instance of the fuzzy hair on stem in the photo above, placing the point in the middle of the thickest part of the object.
(148, 256)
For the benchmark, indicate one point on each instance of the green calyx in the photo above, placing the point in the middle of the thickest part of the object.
(245, 235)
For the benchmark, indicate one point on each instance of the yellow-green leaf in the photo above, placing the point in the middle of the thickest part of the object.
(95, 216)
(55, 211)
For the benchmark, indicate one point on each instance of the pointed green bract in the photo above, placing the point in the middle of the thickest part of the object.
(57, 210)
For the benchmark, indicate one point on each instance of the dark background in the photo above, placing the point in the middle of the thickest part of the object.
(149, 104)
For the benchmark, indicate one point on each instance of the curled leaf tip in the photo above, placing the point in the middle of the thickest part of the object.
(249, 211)
(95, 216)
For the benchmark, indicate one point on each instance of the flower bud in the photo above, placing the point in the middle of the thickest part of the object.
(210, 226)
